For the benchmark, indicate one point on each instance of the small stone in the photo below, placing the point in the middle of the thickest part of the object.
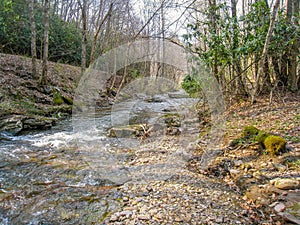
(145, 194)
(279, 167)
(219, 220)
(130, 208)
(187, 218)
(126, 213)
(125, 199)
(257, 175)
(273, 204)
(178, 219)
(279, 207)
(159, 216)
(287, 184)
(149, 189)
(143, 217)
(238, 163)
(153, 211)
(233, 172)
(114, 218)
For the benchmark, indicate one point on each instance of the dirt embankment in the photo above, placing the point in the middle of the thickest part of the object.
(24, 103)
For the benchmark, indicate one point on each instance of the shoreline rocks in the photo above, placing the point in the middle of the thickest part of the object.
(15, 124)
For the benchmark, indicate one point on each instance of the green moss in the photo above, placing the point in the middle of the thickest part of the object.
(237, 141)
(274, 144)
(172, 119)
(248, 135)
(250, 132)
(262, 135)
(57, 98)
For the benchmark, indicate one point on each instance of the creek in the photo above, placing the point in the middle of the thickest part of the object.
(62, 176)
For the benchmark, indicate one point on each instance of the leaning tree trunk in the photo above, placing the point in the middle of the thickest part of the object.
(107, 15)
(258, 84)
(43, 79)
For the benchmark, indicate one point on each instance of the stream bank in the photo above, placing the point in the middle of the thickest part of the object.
(26, 105)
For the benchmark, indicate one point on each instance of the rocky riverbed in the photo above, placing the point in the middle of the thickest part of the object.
(155, 176)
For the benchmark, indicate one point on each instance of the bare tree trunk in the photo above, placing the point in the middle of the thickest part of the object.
(55, 4)
(261, 70)
(43, 79)
(33, 39)
(213, 20)
(297, 12)
(84, 35)
(292, 10)
(239, 86)
(163, 39)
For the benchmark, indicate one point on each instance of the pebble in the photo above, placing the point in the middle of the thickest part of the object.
(219, 220)
(238, 163)
(178, 219)
(144, 217)
(126, 213)
(114, 218)
(234, 172)
(184, 198)
(279, 207)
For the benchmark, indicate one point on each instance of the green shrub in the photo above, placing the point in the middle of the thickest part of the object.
(191, 86)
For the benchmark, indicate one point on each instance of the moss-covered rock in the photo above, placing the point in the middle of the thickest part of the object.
(57, 98)
(248, 135)
(250, 132)
(134, 130)
(172, 120)
(260, 138)
(274, 144)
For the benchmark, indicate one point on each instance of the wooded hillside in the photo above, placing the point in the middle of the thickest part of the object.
(251, 47)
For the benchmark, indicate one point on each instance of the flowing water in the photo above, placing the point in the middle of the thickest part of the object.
(62, 176)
